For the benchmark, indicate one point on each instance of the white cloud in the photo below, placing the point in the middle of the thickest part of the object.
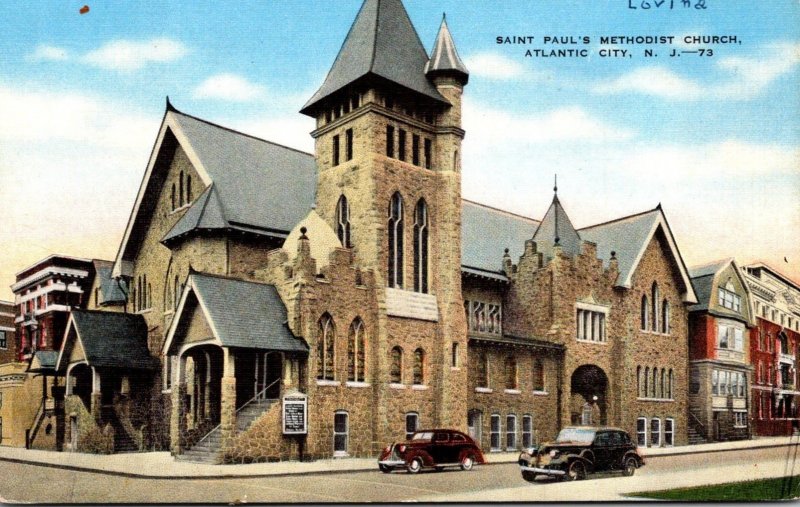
(494, 66)
(229, 87)
(127, 55)
(745, 78)
(50, 53)
(290, 130)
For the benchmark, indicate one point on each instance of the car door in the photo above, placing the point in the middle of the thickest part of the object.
(617, 449)
(602, 450)
(440, 447)
(457, 444)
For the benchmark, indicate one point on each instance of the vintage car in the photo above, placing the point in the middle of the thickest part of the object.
(579, 451)
(431, 449)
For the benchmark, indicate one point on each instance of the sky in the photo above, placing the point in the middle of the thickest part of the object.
(714, 138)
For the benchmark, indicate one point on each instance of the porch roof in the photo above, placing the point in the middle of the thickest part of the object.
(43, 361)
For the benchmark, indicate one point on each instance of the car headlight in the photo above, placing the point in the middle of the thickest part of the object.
(554, 454)
(531, 451)
(401, 448)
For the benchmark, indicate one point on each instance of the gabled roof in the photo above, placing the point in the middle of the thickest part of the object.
(240, 314)
(111, 291)
(704, 279)
(43, 361)
(108, 340)
(258, 186)
(444, 57)
(557, 228)
(712, 268)
(382, 42)
(486, 232)
(628, 237)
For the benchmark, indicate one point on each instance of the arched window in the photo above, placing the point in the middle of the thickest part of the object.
(189, 196)
(646, 381)
(180, 187)
(412, 424)
(395, 274)
(396, 372)
(639, 383)
(511, 373)
(483, 370)
(343, 222)
(173, 197)
(653, 383)
(421, 247)
(538, 375)
(419, 367)
(671, 384)
(355, 352)
(177, 292)
(644, 313)
(664, 385)
(665, 317)
(149, 295)
(326, 338)
(655, 298)
(140, 292)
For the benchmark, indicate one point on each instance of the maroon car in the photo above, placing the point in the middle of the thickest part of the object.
(432, 449)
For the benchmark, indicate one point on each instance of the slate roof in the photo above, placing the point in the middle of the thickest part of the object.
(245, 314)
(206, 214)
(382, 42)
(556, 226)
(46, 360)
(113, 340)
(444, 57)
(486, 233)
(703, 286)
(711, 268)
(111, 291)
(249, 178)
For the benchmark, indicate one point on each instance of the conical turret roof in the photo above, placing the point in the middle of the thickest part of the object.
(444, 57)
(557, 229)
(382, 42)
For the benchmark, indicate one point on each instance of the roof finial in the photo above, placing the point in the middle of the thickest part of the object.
(444, 16)
(170, 107)
(555, 187)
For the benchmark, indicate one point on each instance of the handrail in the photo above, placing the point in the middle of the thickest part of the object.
(697, 421)
(251, 400)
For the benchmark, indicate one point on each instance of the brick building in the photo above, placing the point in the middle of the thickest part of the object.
(773, 350)
(9, 368)
(720, 367)
(358, 282)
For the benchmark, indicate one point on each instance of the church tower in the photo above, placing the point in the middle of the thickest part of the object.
(388, 149)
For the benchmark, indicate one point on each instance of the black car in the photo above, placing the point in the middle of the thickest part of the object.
(579, 451)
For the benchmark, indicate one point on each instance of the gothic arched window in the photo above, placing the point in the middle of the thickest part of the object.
(343, 222)
(355, 352)
(326, 338)
(483, 370)
(395, 274)
(421, 247)
(644, 313)
(665, 317)
(419, 367)
(511, 373)
(538, 375)
(655, 298)
(396, 371)
(180, 187)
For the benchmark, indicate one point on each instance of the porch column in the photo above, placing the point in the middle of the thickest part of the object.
(228, 397)
(96, 395)
(207, 389)
(177, 423)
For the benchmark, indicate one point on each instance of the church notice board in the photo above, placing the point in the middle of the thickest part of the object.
(295, 414)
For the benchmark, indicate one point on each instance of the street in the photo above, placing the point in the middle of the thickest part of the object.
(500, 482)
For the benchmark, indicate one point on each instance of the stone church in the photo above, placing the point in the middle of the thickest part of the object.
(286, 305)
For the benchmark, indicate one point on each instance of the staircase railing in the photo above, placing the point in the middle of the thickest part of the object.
(697, 423)
(255, 398)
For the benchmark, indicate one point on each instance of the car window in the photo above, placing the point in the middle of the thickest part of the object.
(576, 435)
(615, 438)
(422, 436)
(458, 438)
(602, 439)
(441, 437)
(626, 439)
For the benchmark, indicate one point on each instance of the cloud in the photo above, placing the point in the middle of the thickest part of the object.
(494, 66)
(50, 53)
(127, 55)
(229, 87)
(742, 78)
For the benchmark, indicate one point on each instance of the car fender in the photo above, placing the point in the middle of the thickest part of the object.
(634, 454)
(476, 455)
(426, 458)
(589, 463)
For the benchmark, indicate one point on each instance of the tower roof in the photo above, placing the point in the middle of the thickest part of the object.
(444, 57)
(557, 229)
(382, 42)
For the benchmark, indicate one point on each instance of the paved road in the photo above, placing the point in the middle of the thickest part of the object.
(29, 483)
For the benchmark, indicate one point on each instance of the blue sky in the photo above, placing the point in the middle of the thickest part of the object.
(716, 140)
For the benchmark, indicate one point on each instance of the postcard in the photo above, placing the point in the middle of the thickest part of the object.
(399, 250)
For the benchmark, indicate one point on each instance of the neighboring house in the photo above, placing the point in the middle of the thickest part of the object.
(10, 374)
(719, 349)
(774, 350)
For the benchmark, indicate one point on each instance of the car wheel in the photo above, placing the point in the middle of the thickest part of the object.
(576, 471)
(385, 469)
(529, 476)
(415, 466)
(467, 462)
(631, 464)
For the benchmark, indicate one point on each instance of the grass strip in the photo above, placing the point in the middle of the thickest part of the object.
(782, 488)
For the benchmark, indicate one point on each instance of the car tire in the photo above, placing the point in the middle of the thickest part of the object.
(467, 462)
(529, 476)
(630, 466)
(576, 471)
(385, 469)
(414, 466)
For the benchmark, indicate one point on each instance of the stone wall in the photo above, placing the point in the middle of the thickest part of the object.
(91, 437)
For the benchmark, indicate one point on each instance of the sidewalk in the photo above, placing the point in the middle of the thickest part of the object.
(161, 465)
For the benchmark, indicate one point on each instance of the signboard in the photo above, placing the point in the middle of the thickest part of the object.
(295, 414)
(411, 305)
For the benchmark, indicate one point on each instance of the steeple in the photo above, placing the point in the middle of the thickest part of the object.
(557, 229)
(444, 57)
(381, 43)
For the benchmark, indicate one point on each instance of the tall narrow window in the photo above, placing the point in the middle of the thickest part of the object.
(180, 186)
(395, 274)
(415, 149)
(639, 382)
(655, 432)
(326, 336)
(644, 313)
(527, 431)
(189, 194)
(341, 433)
(511, 373)
(343, 222)
(511, 432)
(177, 293)
(665, 317)
(641, 432)
(421, 247)
(495, 432)
(412, 424)
(646, 381)
(401, 145)
(348, 136)
(396, 372)
(428, 153)
(173, 198)
(419, 367)
(390, 141)
(454, 362)
(538, 375)
(483, 370)
(669, 432)
(655, 300)
(355, 352)
(335, 151)
(664, 384)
